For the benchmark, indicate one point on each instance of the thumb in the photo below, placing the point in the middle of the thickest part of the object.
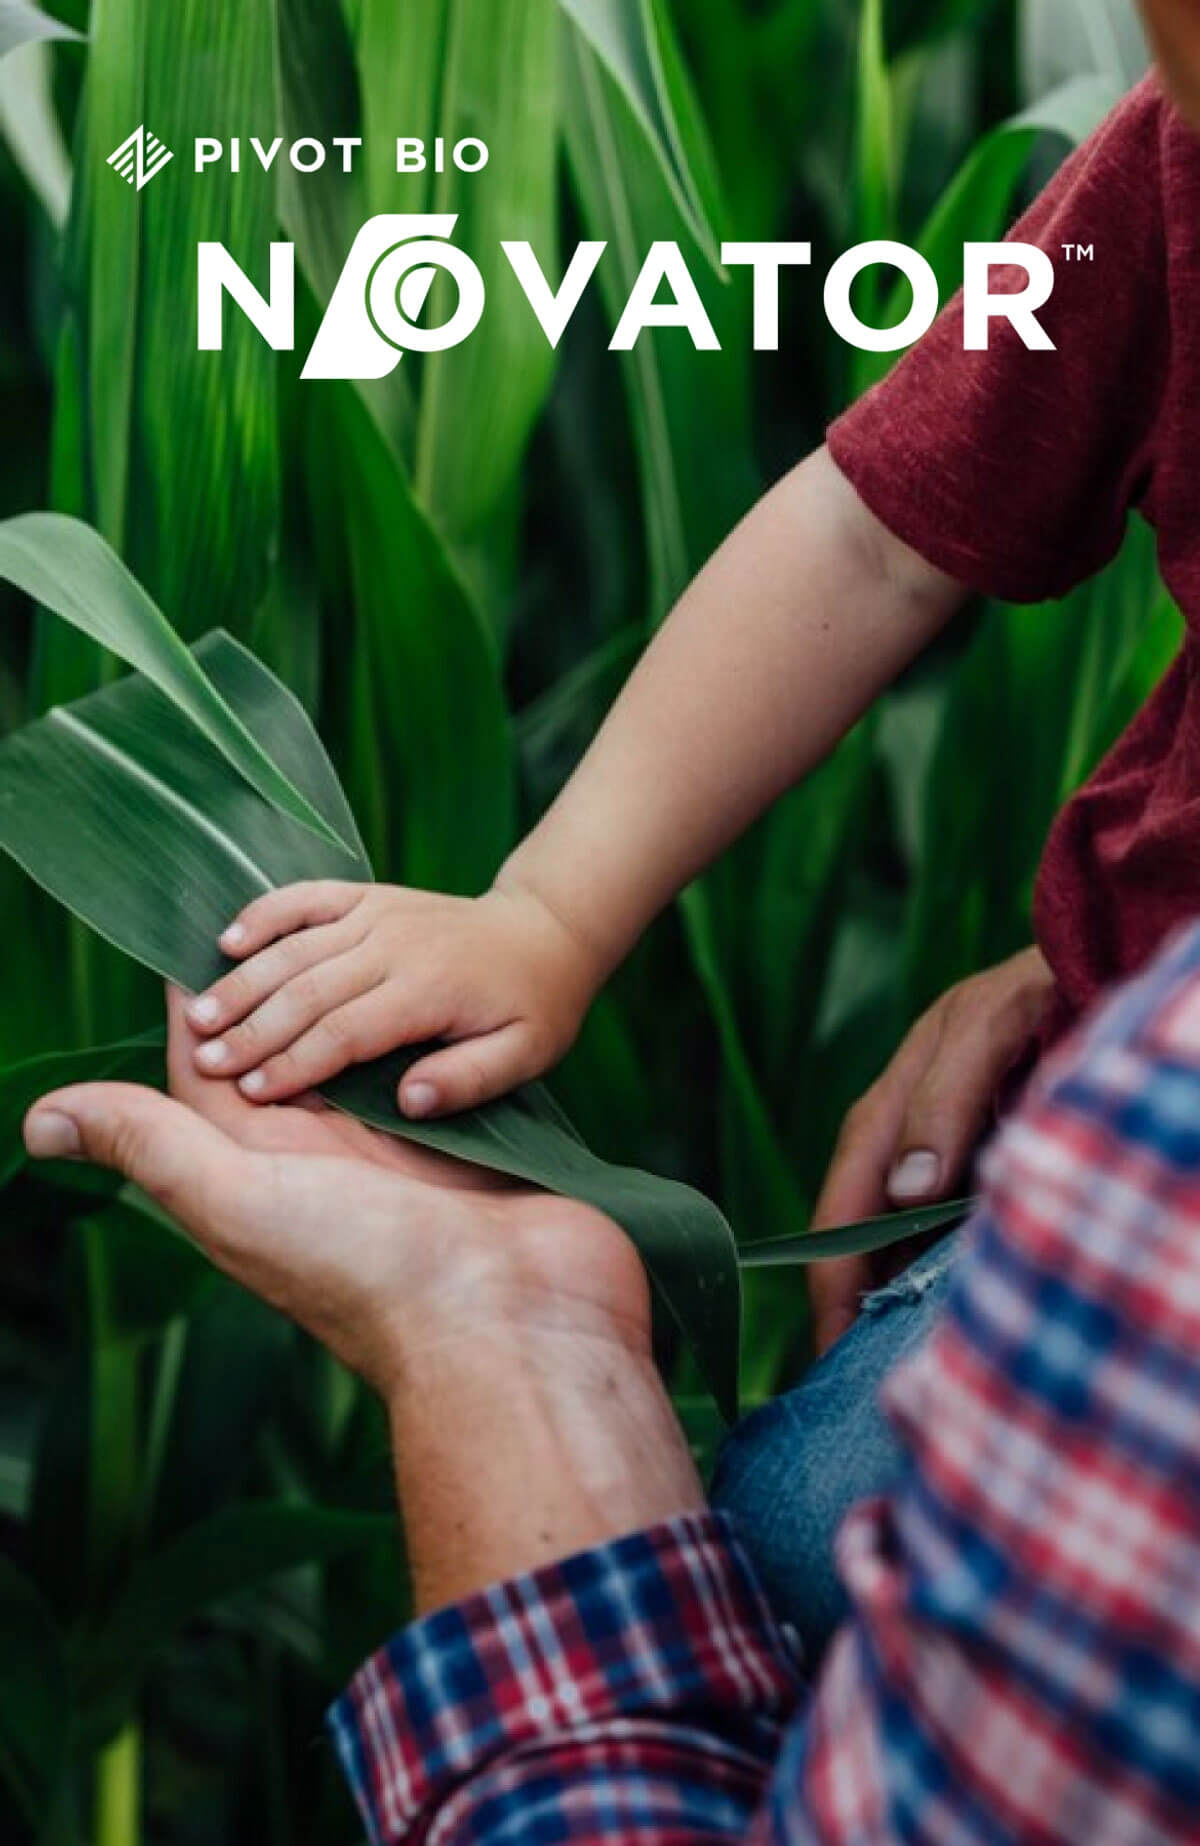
(463, 1075)
(198, 1175)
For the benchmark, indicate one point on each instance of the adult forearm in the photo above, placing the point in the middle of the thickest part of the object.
(792, 628)
(518, 1448)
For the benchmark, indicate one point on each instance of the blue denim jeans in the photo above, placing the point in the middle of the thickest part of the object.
(790, 1470)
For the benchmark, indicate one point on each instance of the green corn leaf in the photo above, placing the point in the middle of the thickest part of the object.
(400, 57)
(690, 410)
(131, 1060)
(627, 37)
(855, 1239)
(683, 404)
(23, 24)
(149, 1273)
(142, 789)
(683, 1240)
(771, 1194)
(201, 532)
(1060, 38)
(610, 183)
(35, 1698)
(102, 258)
(30, 127)
(500, 79)
(135, 820)
(1065, 677)
(978, 203)
(318, 95)
(219, 1557)
(437, 798)
(67, 567)
(875, 154)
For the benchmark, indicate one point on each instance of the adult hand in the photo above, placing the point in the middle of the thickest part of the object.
(908, 1141)
(374, 1245)
(507, 1330)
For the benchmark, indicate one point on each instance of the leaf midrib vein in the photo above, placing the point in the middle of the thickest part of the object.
(137, 772)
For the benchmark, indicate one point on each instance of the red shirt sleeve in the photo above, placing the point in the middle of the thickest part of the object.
(1012, 470)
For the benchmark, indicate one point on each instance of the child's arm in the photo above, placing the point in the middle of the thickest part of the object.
(805, 613)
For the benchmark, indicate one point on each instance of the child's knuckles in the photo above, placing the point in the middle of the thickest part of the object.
(283, 1075)
(474, 1081)
(253, 1039)
(333, 1042)
(306, 993)
(231, 997)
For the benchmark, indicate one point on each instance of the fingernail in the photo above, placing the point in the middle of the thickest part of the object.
(230, 938)
(212, 1055)
(204, 1012)
(419, 1099)
(916, 1176)
(253, 1083)
(49, 1136)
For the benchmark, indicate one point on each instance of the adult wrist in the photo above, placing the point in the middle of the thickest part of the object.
(564, 1438)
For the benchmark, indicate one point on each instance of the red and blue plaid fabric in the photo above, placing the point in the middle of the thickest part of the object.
(1022, 1661)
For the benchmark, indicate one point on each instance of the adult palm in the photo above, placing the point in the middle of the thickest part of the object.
(376, 1246)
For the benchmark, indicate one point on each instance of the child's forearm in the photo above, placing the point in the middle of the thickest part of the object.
(806, 612)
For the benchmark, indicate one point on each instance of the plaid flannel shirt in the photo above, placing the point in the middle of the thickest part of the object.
(1022, 1657)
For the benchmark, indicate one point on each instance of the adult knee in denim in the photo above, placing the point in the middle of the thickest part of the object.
(790, 1471)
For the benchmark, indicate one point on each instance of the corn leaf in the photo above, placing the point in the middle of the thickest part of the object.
(35, 1697)
(139, 785)
(683, 1239)
(131, 1060)
(318, 95)
(1065, 677)
(134, 817)
(854, 1239)
(627, 37)
(202, 536)
(30, 126)
(769, 1193)
(400, 56)
(978, 203)
(689, 405)
(219, 1557)
(1060, 38)
(690, 410)
(67, 567)
(23, 24)
(501, 79)
(438, 798)
(184, 462)
(103, 260)
(875, 153)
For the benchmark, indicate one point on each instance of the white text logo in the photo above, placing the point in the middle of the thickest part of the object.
(139, 158)
(375, 314)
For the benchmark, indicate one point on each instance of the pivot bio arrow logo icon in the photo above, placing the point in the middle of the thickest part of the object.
(140, 157)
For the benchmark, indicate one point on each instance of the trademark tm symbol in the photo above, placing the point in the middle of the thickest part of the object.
(1079, 253)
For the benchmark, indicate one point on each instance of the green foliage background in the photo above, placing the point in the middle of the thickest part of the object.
(454, 569)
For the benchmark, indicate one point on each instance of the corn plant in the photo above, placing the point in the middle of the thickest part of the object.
(445, 576)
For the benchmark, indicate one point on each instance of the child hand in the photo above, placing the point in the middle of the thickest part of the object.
(335, 974)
